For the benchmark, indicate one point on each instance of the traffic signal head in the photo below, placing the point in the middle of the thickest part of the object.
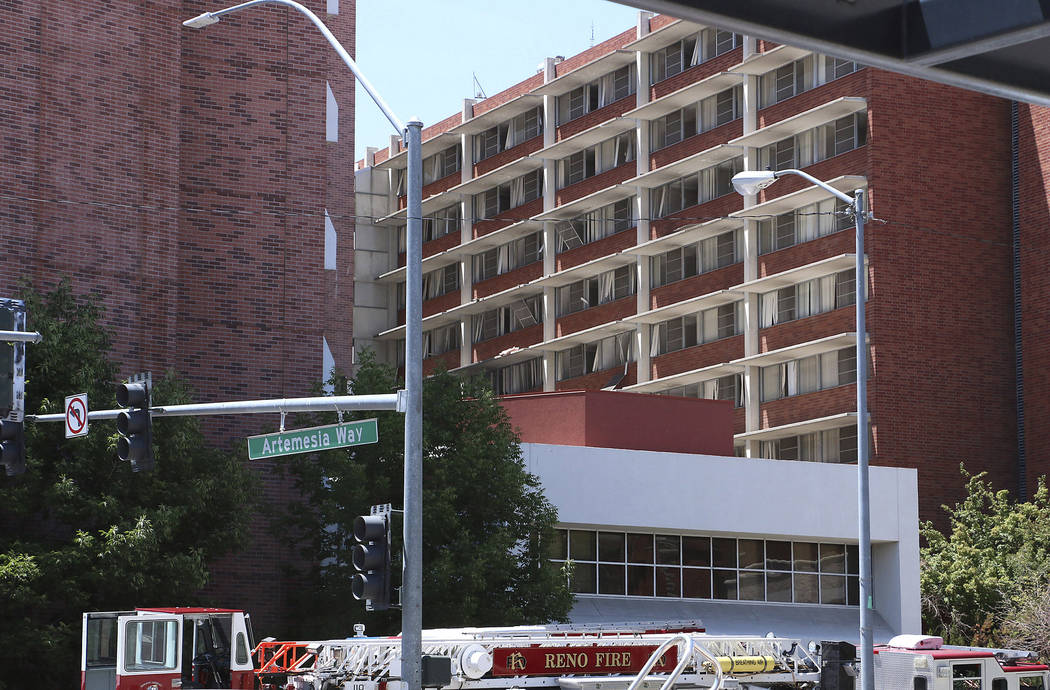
(371, 558)
(12, 447)
(135, 426)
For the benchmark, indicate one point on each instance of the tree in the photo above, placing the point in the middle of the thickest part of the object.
(996, 556)
(486, 522)
(79, 531)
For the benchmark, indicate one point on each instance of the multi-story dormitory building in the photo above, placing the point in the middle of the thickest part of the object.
(582, 232)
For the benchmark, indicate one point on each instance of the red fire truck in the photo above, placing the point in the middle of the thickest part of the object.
(159, 649)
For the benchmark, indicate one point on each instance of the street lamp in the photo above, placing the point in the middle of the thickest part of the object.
(411, 591)
(751, 182)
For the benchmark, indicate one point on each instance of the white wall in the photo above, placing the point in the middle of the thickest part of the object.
(743, 497)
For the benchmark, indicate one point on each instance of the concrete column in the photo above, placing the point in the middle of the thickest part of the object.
(752, 380)
(642, 334)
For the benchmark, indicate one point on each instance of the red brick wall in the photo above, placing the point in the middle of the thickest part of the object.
(598, 380)
(509, 94)
(716, 208)
(610, 311)
(596, 183)
(116, 103)
(696, 73)
(509, 279)
(447, 360)
(856, 84)
(434, 246)
(595, 52)
(941, 318)
(698, 356)
(595, 117)
(696, 144)
(855, 162)
(1034, 150)
(836, 244)
(702, 284)
(484, 227)
(487, 349)
(512, 154)
(603, 247)
(813, 405)
(809, 328)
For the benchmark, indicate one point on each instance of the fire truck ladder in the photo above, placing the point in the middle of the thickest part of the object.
(704, 660)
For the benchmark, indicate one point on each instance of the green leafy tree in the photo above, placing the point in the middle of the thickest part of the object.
(486, 522)
(79, 531)
(995, 556)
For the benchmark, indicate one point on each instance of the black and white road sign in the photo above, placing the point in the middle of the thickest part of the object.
(76, 415)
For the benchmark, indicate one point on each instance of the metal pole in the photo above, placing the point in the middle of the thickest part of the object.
(329, 403)
(20, 337)
(412, 579)
(867, 658)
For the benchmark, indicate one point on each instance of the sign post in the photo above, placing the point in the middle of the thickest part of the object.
(76, 415)
(313, 439)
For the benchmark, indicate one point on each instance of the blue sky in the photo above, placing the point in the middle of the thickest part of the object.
(502, 42)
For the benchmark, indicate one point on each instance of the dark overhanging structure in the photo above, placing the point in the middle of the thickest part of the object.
(1000, 47)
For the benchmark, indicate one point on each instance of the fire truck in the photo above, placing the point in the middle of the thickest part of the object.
(163, 648)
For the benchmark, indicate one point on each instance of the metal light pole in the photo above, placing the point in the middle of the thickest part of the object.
(750, 182)
(411, 591)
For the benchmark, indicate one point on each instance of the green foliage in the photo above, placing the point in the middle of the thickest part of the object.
(80, 531)
(995, 557)
(486, 522)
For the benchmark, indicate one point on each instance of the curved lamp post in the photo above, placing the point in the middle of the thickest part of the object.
(411, 591)
(751, 182)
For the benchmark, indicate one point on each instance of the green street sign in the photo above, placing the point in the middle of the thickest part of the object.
(313, 439)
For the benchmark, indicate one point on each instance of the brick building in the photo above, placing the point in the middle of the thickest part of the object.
(199, 184)
(581, 232)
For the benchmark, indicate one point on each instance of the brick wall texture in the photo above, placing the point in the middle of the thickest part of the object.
(153, 165)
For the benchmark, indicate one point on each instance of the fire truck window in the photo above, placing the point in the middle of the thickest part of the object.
(242, 649)
(919, 683)
(102, 642)
(150, 645)
(1034, 682)
(1000, 684)
(966, 676)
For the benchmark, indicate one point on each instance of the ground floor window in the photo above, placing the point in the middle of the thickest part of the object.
(643, 564)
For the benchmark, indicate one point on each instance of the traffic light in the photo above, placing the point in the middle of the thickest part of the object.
(12, 447)
(135, 426)
(371, 557)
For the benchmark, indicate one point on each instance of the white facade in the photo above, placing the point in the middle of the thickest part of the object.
(613, 490)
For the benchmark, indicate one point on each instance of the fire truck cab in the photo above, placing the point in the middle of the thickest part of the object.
(926, 663)
(164, 648)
